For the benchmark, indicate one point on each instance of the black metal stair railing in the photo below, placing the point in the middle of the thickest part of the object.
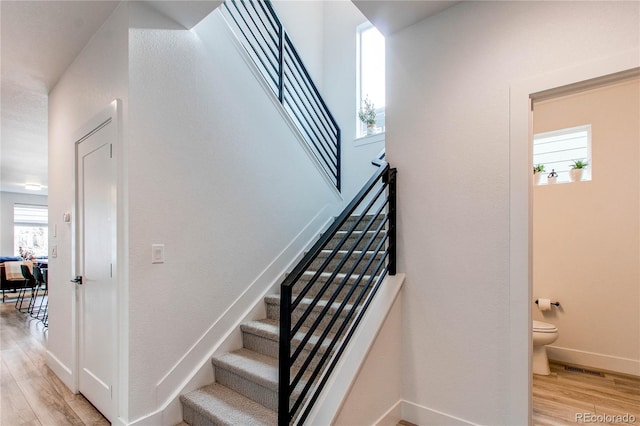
(264, 38)
(309, 353)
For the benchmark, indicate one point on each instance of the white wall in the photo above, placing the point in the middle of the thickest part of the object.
(303, 21)
(448, 82)
(324, 34)
(585, 235)
(341, 18)
(7, 200)
(218, 177)
(96, 77)
(378, 385)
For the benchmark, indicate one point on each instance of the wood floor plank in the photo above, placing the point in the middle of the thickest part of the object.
(564, 394)
(540, 419)
(47, 404)
(87, 412)
(14, 408)
(19, 364)
(30, 393)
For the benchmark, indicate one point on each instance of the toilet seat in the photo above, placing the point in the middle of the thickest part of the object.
(544, 327)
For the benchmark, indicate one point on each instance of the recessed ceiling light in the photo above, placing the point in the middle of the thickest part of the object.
(33, 187)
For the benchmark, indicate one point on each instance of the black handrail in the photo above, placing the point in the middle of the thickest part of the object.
(303, 369)
(267, 43)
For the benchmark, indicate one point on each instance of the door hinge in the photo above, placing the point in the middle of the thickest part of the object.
(111, 270)
(110, 150)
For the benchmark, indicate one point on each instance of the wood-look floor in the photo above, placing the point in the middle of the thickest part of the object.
(560, 398)
(30, 393)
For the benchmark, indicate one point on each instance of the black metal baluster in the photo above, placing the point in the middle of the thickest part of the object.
(284, 363)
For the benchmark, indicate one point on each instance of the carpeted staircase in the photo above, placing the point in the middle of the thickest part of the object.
(245, 391)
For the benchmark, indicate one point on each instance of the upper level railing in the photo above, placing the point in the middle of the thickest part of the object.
(261, 33)
(319, 314)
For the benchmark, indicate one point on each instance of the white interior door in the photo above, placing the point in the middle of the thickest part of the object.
(96, 186)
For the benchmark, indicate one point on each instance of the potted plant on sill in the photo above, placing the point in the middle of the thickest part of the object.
(538, 170)
(367, 115)
(577, 170)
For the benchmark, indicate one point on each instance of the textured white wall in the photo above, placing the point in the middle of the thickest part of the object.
(7, 200)
(303, 20)
(448, 85)
(378, 385)
(325, 35)
(341, 18)
(217, 176)
(585, 235)
(96, 77)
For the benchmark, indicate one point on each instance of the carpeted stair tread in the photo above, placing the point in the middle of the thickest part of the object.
(223, 406)
(251, 365)
(324, 276)
(274, 299)
(270, 329)
(325, 253)
(246, 388)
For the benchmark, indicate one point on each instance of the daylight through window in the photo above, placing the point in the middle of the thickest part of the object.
(559, 149)
(30, 229)
(371, 62)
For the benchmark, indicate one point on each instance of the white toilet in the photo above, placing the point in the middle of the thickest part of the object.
(543, 334)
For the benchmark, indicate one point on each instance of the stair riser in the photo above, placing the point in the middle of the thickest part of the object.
(273, 312)
(363, 223)
(333, 264)
(270, 348)
(351, 240)
(242, 385)
(194, 418)
(317, 287)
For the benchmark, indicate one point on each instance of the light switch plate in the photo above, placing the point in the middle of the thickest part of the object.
(157, 253)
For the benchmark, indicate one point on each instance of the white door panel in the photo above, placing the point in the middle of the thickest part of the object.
(96, 248)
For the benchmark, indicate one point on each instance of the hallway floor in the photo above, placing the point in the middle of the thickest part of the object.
(30, 394)
(573, 397)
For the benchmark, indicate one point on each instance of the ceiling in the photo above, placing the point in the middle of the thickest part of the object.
(390, 16)
(40, 39)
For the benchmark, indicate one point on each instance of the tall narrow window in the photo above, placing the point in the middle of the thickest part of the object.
(371, 62)
(558, 150)
(30, 229)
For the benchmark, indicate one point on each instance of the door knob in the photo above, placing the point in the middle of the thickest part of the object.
(77, 279)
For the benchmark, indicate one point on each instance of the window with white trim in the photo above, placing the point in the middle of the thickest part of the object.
(30, 229)
(559, 149)
(370, 73)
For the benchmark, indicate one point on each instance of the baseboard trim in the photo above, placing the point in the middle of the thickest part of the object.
(185, 374)
(594, 360)
(392, 416)
(425, 416)
(63, 372)
(418, 414)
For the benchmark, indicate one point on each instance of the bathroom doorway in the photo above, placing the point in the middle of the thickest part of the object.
(585, 248)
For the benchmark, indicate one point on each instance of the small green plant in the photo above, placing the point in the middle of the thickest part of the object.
(538, 168)
(579, 164)
(367, 112)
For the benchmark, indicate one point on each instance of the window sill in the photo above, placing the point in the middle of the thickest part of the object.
(561, 182)
(366, 140)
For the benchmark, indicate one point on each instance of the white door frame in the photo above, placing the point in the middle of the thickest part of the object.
(520, 212)
(112, 112)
